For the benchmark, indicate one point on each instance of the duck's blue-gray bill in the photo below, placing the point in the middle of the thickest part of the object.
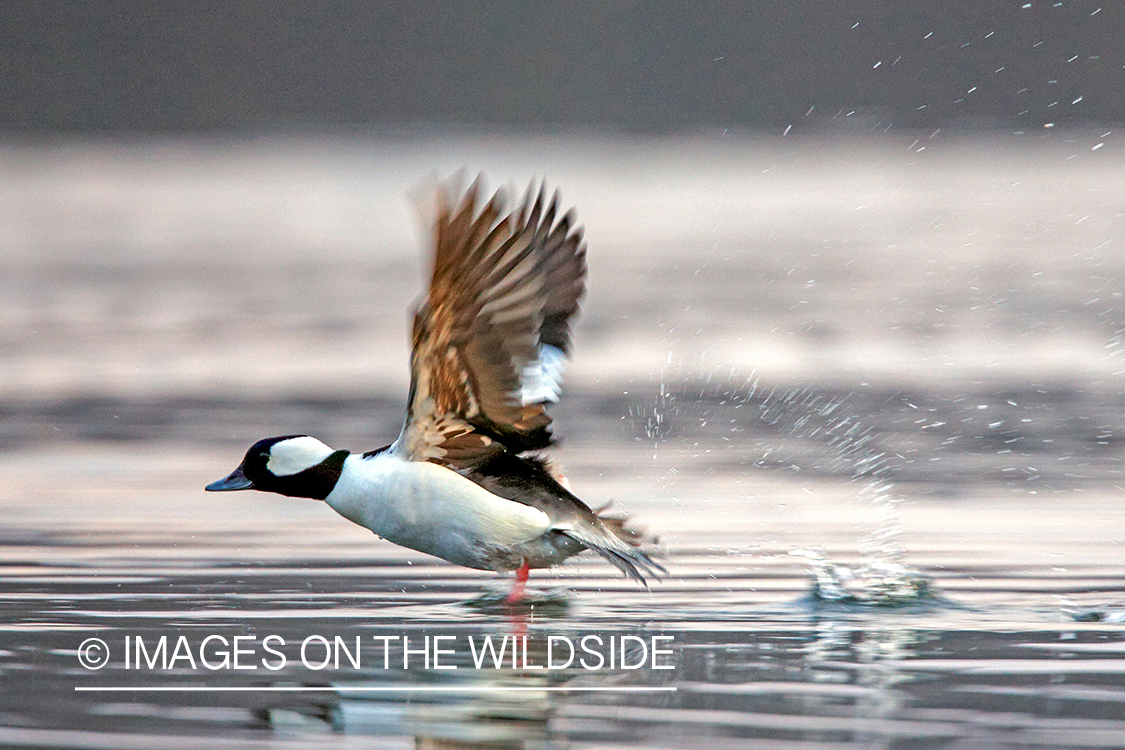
(236, 481)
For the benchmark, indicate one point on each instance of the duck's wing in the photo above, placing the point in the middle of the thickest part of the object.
(492, 336)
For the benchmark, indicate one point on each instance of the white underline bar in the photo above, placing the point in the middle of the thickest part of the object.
(363, 689)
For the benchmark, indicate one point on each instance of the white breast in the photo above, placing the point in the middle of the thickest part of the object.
(429, 508)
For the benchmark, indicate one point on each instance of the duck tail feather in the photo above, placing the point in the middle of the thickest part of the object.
(624, 528)
(623, 554)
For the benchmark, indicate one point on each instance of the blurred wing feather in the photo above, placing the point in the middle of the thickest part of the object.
(492, 337)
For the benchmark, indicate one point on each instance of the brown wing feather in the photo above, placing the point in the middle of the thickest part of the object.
(503, 287)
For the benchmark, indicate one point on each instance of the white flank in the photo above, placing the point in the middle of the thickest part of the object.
(294, 455)
(427, 507)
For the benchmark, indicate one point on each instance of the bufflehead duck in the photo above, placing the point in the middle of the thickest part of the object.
(466, 480)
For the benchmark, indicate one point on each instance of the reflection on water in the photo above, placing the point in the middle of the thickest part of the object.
(995, 651)
(871, 406)
(835, 674)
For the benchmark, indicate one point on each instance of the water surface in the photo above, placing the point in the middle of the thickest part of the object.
(869, 398)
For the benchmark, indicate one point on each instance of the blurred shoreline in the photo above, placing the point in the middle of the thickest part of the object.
(286, 265)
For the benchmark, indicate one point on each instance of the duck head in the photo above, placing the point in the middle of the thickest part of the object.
(292, 465)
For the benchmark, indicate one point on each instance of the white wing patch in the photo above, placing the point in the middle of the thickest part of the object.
(295, 455)
(541, 380)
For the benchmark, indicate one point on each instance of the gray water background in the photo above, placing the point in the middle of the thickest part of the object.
(867, 390)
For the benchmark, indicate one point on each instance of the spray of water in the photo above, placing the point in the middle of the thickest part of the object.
(803, 429)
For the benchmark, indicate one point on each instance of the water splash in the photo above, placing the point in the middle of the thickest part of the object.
(874, 583)
(883, 578)
(853, 450)
(809, 431)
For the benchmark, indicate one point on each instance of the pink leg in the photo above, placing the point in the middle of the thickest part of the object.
(516, 594)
